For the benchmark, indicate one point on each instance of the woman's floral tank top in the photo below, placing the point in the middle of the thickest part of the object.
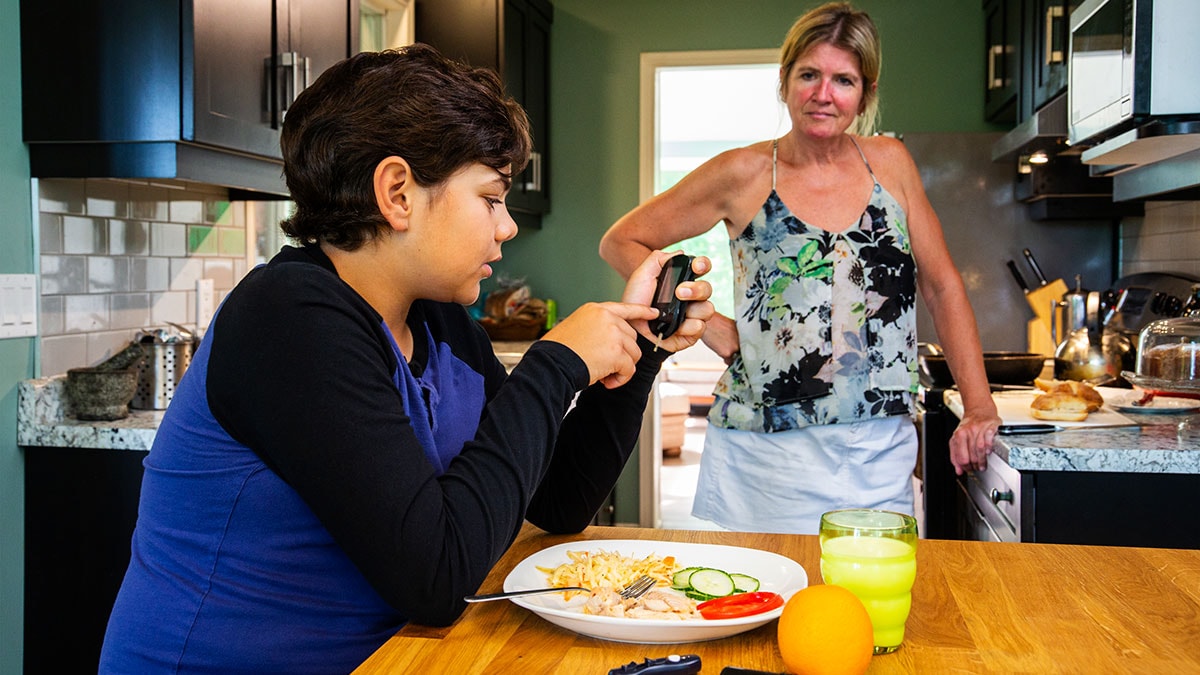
(826, 321)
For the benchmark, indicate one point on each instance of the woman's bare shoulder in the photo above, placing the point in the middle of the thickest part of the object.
(891, 161)
(884, 150)
(740, 164)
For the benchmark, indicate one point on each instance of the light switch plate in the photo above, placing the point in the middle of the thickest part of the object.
(18, 305)
(204, 303)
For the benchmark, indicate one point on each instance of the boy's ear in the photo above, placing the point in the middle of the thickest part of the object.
(395, 191)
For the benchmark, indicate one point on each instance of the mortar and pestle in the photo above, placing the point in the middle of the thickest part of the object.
(103, 392)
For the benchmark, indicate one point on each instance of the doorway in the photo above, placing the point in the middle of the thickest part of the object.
(695, 105)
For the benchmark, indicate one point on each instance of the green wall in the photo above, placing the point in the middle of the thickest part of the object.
(16, 354)
(931, 81)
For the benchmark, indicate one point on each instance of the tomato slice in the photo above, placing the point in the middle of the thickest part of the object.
(739, 605)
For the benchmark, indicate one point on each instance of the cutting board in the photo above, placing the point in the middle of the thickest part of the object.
(1013, 407)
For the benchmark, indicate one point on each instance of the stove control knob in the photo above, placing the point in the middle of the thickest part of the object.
(1165, 304)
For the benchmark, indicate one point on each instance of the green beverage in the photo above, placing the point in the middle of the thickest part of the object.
(873, 555)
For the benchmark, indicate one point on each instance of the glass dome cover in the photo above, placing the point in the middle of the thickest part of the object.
(1168, 355)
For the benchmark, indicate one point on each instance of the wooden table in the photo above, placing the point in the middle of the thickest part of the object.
(977, 607)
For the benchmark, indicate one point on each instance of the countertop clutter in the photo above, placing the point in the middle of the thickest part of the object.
(976, 608)
(1085, 483)
(1154, 443)
(44, 420)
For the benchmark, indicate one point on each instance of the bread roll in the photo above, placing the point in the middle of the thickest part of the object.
(1081, 390)
(1060, 407)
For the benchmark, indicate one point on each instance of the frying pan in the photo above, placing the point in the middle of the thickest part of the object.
(1001, 368)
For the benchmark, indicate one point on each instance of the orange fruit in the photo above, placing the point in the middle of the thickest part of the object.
(825, 630)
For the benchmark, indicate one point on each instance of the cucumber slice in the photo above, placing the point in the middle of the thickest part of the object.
(744, 583)
(712, 582)
(681, 579)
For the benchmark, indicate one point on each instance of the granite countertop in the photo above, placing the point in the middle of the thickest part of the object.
(44, 417)
(44, 420)
(1163, 443)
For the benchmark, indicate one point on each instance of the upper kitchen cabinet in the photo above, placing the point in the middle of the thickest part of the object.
(513, 38)
(1027, 43)
(192, 90)
(1002, 39)
(1048, 26)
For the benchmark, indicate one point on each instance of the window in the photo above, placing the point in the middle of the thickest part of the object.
(696, 105)
(385, 24)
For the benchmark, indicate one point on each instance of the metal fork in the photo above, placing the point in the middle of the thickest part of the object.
(636, 589)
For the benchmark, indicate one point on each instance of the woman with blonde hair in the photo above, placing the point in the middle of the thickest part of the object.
(828, 227)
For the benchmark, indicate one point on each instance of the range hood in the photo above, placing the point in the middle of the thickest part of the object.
(1147, 144)
(1044, 131)
(1160, 159)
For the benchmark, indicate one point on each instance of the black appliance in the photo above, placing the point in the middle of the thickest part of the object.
(943, 498)
(935, 423)
(1138, 299)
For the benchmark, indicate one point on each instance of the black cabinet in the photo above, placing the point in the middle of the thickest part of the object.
(80, 509)
(513, 38)
(251, 60)
(1002, 40)
(1048, 26)
(1027, 43)
(187, 89)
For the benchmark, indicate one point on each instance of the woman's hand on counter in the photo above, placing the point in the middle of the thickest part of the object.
(972, 441)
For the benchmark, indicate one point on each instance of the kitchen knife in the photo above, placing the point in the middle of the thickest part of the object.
(1012, 266)
(1014, 429)
(1037, 270)
(1045, 299)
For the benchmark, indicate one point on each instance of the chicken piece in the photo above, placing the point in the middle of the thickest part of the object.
(655, 604)
(670, 601)
(603, 602)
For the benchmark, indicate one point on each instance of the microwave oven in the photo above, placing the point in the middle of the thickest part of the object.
(1130, 62)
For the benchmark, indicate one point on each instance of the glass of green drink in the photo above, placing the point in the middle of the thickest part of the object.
(873, 554)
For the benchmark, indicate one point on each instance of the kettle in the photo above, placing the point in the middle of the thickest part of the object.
(1091, 352)
(1074, 306)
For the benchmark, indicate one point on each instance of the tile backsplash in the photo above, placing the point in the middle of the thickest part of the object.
(1165, 239)
(117, 256)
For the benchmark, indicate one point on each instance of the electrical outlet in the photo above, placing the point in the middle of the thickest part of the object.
(18, 305)
(204, 303)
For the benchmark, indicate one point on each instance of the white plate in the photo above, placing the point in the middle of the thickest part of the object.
(774, 572)
(1160, 404)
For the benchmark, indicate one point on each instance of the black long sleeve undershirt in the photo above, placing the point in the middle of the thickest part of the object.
(301, 372)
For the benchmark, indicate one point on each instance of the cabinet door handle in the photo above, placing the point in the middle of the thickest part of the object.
(995, 79)
(997, 496)
(293, 79)
(534, 184)
(1054, 14)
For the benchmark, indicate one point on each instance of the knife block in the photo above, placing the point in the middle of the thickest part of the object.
(1038, 338)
